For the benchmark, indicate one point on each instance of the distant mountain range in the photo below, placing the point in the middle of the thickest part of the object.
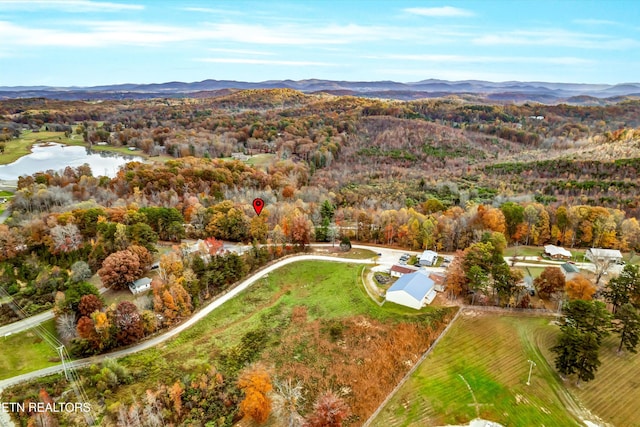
(504, 91)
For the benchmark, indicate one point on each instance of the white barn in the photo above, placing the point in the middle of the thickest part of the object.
(413, 290)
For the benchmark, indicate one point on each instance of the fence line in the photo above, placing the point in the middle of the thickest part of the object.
(411, 371)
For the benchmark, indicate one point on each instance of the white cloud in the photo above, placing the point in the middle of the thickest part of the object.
(240, 51)
(69, 5)
(444, 11)
(131, 33)
(556, 38)
(265, 62)
(210, 10)
(465, 59)
(595, 22)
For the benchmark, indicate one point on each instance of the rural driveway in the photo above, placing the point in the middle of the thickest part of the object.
(183, 326)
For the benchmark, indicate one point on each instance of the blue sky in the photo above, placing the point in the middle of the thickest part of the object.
(92, 42)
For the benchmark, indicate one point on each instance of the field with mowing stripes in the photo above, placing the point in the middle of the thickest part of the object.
(489, 352)
(615, 393)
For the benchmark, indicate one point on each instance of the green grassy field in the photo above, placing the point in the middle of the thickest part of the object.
(328, 290)
(261, 160)
(354, 253)
(26, 352)
(17, 148)
(490, 353)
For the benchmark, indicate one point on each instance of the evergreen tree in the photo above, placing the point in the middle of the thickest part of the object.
(628, 326)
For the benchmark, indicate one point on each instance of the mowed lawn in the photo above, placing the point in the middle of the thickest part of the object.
(490, 352)
(615, 392)
(26, 351)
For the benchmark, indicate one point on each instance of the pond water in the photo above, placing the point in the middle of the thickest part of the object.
(56, 157)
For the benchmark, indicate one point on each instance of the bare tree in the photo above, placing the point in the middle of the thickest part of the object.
(66, 326)
(287, 399)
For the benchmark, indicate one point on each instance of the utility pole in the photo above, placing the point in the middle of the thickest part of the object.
(531, 365)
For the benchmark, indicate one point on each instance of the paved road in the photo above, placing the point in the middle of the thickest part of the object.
(388, 258)
(30, 322)
(152, 342)
(25, 324)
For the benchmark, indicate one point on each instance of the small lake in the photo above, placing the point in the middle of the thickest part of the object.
(56, 157)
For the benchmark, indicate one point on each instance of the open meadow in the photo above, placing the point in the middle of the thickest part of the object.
(310, 321)
(320, 326)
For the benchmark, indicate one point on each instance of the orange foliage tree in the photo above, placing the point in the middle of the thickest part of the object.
(256, 384)
(580, 288)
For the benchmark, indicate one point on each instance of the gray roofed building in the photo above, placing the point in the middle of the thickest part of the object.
(569, 270)
(413, 290)
(428, 258)
(603, 255)
(140, 285)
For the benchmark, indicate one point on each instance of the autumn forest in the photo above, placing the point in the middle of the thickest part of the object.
(448, 174)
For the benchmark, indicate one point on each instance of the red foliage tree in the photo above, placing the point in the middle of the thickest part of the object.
(88, 304)
(129, 323)
(328, 411)
(301, 231)
(551, 280)
(119, 269)
(86, 330)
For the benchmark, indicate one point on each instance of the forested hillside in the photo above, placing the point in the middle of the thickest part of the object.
(443, 174)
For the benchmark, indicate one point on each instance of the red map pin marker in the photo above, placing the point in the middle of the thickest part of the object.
(258, 204)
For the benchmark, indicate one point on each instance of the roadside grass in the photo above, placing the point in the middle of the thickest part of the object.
(535, 272)
(490, 351)
(328, 290)
(353, 253)
(5, 193)
(26, 351)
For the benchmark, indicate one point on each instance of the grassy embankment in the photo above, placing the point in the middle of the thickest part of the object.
(26, 351)
(331, 294)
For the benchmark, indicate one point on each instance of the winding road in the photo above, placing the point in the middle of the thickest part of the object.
(152, 342)
(386, 257)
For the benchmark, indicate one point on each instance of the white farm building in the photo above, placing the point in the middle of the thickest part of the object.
(140, 285)
(413, 290)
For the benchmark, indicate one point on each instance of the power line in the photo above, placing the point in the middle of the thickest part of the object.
(70, 372)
